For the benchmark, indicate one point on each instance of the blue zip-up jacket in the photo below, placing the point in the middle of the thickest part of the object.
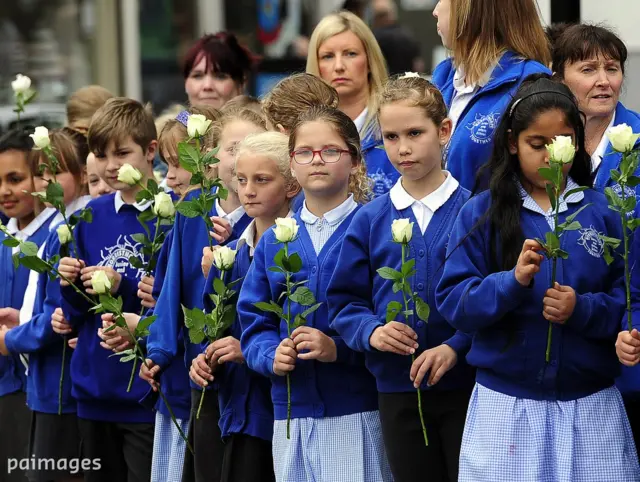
(317, 389)
(359, 296)
(244, 395)
(183, 285)
(510, 333)
(14, 284)
(99, 380)
(379, 167)
(472, 140)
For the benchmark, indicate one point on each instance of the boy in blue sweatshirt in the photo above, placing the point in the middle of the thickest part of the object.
(115, 428)
(16, 202)
(400, 354)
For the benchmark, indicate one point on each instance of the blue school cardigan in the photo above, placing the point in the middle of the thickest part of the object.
(379, 167)
(317, 389)
(359, 296)
(472, 141)
(510, 333)
(244, 395)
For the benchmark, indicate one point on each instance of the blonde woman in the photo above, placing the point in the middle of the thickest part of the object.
(495, 45)
(344, 53)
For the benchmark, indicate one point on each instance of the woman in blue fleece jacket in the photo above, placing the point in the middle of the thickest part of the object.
(528, 418)
(494, 48)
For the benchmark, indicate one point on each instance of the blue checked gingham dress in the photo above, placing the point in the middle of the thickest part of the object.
(508, 439)
(168, 450)
(331, 449)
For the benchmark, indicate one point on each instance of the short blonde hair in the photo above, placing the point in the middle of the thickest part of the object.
(359, 183)
(295, 94)
(118, 119)
(417, 92)
(335, 24)
(240, 102)
(481, 31)
(83, 103)
(175, 131)
(273, 145)
(232, 115)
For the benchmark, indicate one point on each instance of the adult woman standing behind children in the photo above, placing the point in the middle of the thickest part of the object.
(495, 45)
(345, 54)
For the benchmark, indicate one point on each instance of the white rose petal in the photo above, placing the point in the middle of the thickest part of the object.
(562, 149)
(129, 175)
(163, 205)
(100, 282)
(197, 125)
(402, 230)
(223, 258)
(21, 84)
(286, 229)
(41, 137)
(64, 234)
(622, 138)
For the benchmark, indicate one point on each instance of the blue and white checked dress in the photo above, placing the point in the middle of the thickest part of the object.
(330, 449)
(168, 450)
(508, 439)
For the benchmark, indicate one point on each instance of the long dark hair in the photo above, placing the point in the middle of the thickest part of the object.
(537, 94)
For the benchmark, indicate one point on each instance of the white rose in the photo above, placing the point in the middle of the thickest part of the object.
(100, 282)
(21, 84)
(41, 137)
(622, 138)
(163, 205)
(64, 234)
(223, 258)
(402, 230)
(562, 149)
(286, 229)
(197, 125)
(129, 175)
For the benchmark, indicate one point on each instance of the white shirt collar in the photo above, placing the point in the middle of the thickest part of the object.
(72, 207)
(462, 88)
(530, 204)
(248, 236)
(335, 216)
(359, 121)
(233, 217)
(401, 199)
(599, 153)
(119, 202)
(32, 227)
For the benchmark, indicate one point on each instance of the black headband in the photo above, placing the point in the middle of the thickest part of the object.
(515, 104)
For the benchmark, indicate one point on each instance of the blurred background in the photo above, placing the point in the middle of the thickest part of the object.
(135, 47)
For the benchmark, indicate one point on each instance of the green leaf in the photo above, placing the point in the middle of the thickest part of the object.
(397, 286)
(393, 309)
(219, 287)
(615, 175)
(125, 358)
(196, 336)
(561, 253)
(143, 196)
(152, 186)
(34, 264)
(146, 216)
(189, 209)
(193, 318)
(303, 296)
(275, 269)
(189, 157)
(612, 197)
(142, 329)
(552, 241)
(613, 242)
(633, 223)
(422, 308)
(110, 304)
(29, 248)
(407, 267)
(278, 259)
(270, 307)
(389, 273)
(629, 204)
(547, 173)
(196, 179)
(210, 158)
(222, 193)
(86, 215)
(298, 321)
(11, 242)
(295, 263)
(305, 314)
(633, 181)
(140, 238)
(55, 193)
(569, 219)
(228, 317)
(574, 226)
(608, 258)
(575, 191)
(136, 262)
(15, 259)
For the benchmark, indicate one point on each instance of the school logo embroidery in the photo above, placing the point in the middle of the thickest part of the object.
(592, 242)
(381, 182)
(483, 126)
(117, 256)
(628, 192)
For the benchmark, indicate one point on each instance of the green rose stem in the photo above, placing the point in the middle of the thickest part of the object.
(554, 261)
(288, 318)
(405, 282)
(625, 257)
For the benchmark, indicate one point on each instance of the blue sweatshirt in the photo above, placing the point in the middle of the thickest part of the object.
(359, 296)
(472, 140)
(183, 285)
(14, 285)
(244, 395)
(510, 333)
(99, 380)
(379, 167)
(317, 389)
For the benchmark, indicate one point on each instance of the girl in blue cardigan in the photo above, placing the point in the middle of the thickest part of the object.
(529, 418)
(266, 188)
(335, 426)
(415, 127)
